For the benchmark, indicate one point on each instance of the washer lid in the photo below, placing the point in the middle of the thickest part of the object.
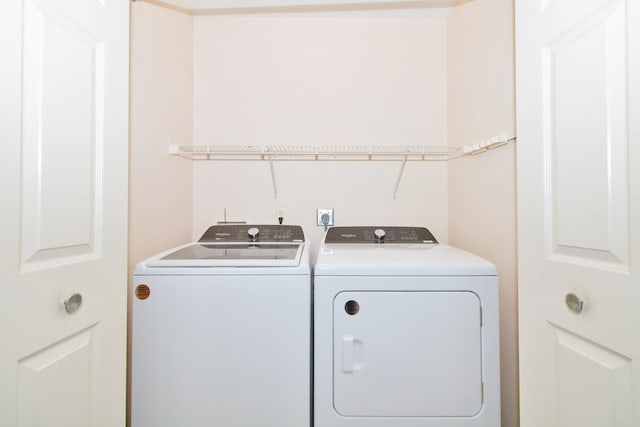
(230, 255)
(399, 260)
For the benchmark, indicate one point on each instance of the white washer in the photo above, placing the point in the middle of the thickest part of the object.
(406, 332)
(222, 331)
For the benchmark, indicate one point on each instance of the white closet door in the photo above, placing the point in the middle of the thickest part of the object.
(578, 86)
(63, 216)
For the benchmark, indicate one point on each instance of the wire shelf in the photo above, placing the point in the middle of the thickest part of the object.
(335, 153)
(330, 153)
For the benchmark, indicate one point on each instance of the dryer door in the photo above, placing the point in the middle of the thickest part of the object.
(415, 353)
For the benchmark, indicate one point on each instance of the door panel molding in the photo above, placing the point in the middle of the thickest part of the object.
(604, 375)
(586, 172)
(63, 129)
(70, 406)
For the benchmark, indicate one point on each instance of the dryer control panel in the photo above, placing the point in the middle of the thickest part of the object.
(263, 233)
(380, 234)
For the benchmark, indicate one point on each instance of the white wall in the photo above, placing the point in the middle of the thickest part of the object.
(321, 80)
(482, 192)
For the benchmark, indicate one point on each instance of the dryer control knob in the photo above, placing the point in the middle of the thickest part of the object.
(379, 234)
(253, 233)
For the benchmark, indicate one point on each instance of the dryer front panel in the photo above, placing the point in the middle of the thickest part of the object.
(407, 354)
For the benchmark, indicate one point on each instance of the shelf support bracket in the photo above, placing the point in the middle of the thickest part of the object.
(273, 176)
(404, 163)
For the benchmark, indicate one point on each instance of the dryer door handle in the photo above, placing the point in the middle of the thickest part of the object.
(347, 353)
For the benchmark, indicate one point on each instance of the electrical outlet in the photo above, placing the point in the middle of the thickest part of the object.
(324, 217)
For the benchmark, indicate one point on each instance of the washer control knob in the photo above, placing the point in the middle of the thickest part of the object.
(379, 234)
(253, 233)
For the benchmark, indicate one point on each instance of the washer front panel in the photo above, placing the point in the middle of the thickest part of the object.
(407, 354)
(388, 306)
(221, 351)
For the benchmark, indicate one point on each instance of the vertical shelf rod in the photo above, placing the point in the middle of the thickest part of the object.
(273, 177)
(404, 162)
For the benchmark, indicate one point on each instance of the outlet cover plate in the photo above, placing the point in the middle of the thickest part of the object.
(321, 212)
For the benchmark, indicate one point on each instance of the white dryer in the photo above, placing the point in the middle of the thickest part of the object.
(406, 332)
(221, 331)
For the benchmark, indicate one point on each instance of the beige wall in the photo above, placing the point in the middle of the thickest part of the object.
(161, 81)
(482, 192)
(321, 80)
(161, 199)
(329, 80)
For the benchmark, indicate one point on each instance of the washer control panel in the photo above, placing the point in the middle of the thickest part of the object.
(267, 233)
(380, 234)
